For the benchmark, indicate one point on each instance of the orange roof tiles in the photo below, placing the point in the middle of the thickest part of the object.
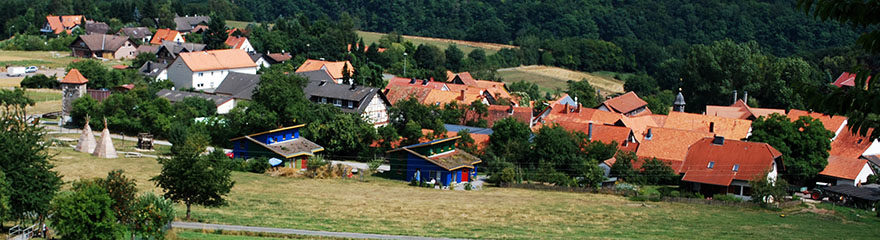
(848, 80)
(217, 59)
(235, 42)
(831, 122)
(60, 24)
(752, 159)
(727, 127)
(462, 97)
(641, 123)
(74, 77)
(334, 68)
(498, 112)
(625, 103)
(669, 145)
(481, 140)
(163, 35)
(562, 113)
(850, 145)
(606, 134)
(843, 167)
(401, 81)
(740, 110)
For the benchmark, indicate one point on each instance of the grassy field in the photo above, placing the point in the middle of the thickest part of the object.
(227, 235)
(44, 95)
(549, 79)
(465, 46)
(391, 207)
(121, 146)
(49, 59)
(238, 24)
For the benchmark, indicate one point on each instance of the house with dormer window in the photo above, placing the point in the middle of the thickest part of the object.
(283, 143)
(438, 160)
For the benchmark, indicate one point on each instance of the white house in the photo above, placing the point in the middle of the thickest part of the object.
(205, 70)
(239, 43)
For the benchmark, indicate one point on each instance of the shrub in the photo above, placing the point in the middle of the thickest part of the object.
(726, 198)
(674, 194)
(316, 162)
(638, 198)
(375, 163)
(257, 165)
(414, 182)
(468, 186)
(40, 81)
(655, 198)
(699, 195)
(507, 175)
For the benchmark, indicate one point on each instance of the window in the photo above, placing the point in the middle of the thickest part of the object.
(337, 102)
(201, 74)
(323, 100)
(736, 167)
(711, 165)
(350, 104)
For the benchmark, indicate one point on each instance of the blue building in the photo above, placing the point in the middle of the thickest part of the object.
(283, 143)
(437, 160)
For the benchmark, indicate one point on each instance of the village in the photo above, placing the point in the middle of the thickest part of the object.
(304, 128)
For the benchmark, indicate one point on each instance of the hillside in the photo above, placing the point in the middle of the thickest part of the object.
(551, 78)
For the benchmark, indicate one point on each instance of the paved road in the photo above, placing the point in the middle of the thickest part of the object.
(208, 226)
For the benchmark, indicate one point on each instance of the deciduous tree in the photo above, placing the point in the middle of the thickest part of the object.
(804, 144)
(191, 178)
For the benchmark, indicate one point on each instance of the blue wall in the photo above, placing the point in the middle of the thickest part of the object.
(425, 168)
(279, 136)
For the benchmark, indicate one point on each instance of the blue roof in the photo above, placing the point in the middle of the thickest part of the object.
(458, 128)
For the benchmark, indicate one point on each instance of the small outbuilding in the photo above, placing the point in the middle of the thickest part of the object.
(437, 160)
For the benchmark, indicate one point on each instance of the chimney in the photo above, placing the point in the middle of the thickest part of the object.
(712, 127)
(565, 110)
(412, 81)
(746, 97)
(462, 95)
(590, 131)
(734, 96)
(718, 140)
(578, 108)
(649, 135)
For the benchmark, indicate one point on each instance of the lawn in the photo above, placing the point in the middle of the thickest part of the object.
(44, 95)
(127, 146)
(549, 79)
(391, 207)
(465, 46)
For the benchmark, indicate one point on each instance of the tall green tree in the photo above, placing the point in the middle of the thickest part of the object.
(122, 190)
(25, 159)
(215, 36)
(585, 93)
(804, 144)
(454, 56)
(85, 213)
(5, 191)
(191, 178)
(151, 214)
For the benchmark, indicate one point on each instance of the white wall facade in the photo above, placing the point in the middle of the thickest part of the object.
(874, 149)
(225, 107)
(261, 63)
(126, 51)
(246, 46)
(211, 79)
(376, 112)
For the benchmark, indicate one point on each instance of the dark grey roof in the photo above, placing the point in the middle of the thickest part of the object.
(152, 69)
(136, 32)
(96, 27)
(873, 159)
(870, 194)
(679, 99)
(317, 75)
(329, 89)
(176, 47)
(255, 56)
(239, 85)
(148, 48)
(185, 24)
(177, 96)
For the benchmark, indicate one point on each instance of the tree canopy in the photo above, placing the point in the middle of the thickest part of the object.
(804, 144)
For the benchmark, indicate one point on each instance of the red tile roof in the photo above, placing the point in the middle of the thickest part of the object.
(163, 35)
(848, 79)
(66, 23)
(727, 127)
(850, 145)
(753, 159)
(217, 59)
(606, 134)
(563, 113)
(74, 77)
(831, 122)
(625, 103)
(498, 112)
(334, 68)
(235, 42)
(401, 81)
(844, 167)
(668, 145)
(481, 140)
(396, 93)
(740, 110)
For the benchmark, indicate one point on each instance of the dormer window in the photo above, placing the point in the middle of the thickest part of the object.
(711, 165)
(736, 167)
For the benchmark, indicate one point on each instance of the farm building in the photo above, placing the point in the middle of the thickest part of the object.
(437, 160)
(719, 166)
(283, 143)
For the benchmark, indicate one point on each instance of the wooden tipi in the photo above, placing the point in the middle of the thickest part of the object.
(86, 142)
(105, 148)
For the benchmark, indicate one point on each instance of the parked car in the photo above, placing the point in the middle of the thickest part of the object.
(31, 69)
(15, 71)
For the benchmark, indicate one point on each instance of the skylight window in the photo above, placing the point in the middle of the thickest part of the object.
(736, 167)
(711, 165)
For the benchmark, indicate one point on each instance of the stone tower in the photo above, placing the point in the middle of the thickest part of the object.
(73, 86)
(86, 139)
(105, 148)
(678, 105)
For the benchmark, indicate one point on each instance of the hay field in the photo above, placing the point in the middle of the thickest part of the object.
(49, 59)
(391, 207)
(465, 46)
(549, 79)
